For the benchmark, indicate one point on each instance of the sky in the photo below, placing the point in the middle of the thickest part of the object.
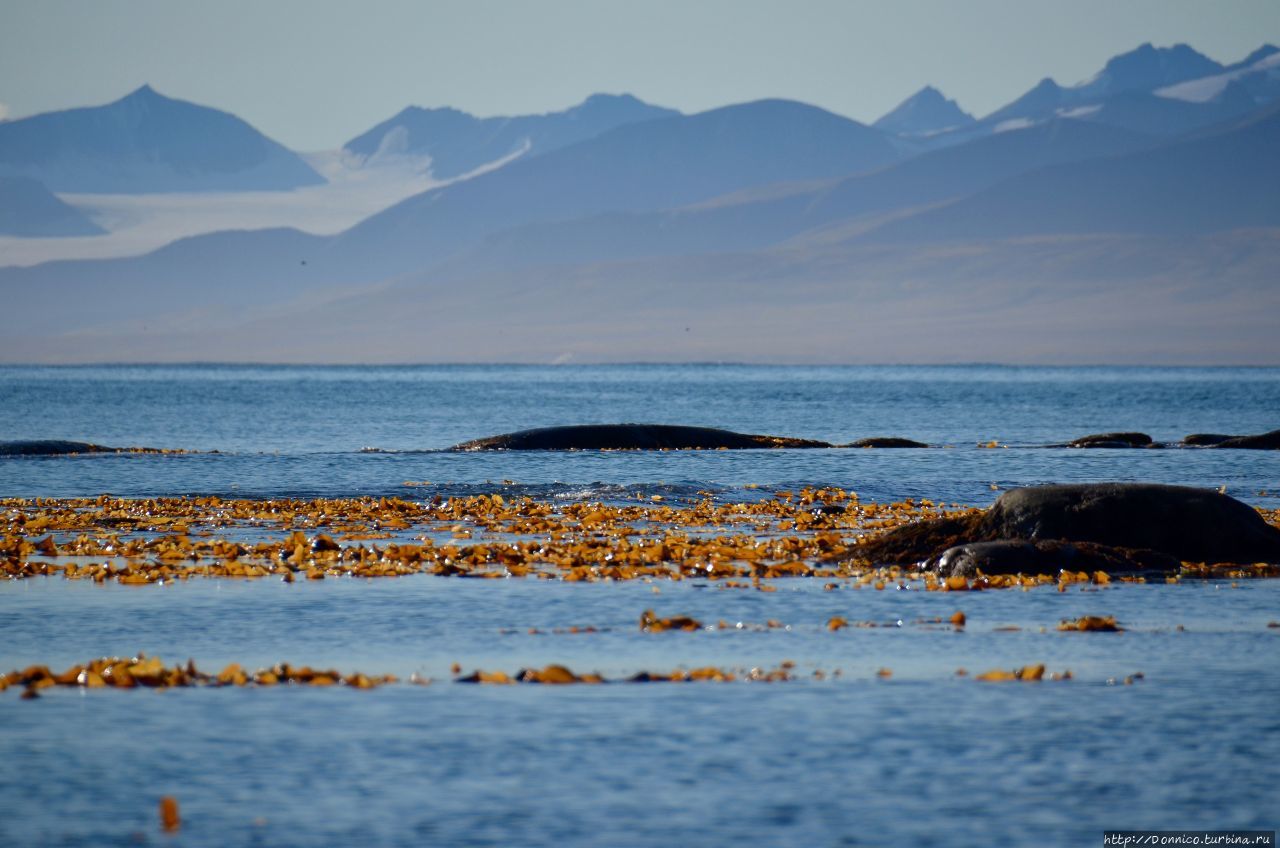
(313, 74)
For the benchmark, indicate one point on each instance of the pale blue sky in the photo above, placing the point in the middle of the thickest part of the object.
(314, 73)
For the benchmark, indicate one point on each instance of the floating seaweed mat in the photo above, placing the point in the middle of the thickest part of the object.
(1028, 673)
(1099, 623)
(151, 672)
(813, 533)
(560, 675)
(650, 623)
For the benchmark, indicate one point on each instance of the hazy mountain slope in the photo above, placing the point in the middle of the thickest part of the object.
(1156, 115)
(27, 208)
(1041, 101)
(1222, 179)
(1120, 299)
(146, 142)
(230, 272)
(459, 143)
(1264, 52)
(957, 171)
(1258, 77)
(1139, 111)
(751, 221)
(925, 112)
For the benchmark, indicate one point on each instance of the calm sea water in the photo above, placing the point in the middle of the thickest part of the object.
(284, 431)
(921, 758)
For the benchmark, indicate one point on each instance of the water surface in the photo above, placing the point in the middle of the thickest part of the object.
(922, 757)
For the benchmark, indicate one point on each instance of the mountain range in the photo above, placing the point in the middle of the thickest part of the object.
(457, 143)
(1132, 217)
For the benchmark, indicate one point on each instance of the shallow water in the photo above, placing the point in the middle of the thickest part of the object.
(919, 758)
(923, 757)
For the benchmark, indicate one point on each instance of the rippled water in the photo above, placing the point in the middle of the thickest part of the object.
(919, 758)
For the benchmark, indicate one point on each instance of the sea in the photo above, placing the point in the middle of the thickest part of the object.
(1171, 724)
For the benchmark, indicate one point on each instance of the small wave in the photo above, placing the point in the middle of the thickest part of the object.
(402, 451)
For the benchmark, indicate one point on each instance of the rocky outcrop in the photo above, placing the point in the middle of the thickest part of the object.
(632, 437)
(1112, 440)
(1187, 524)
(1264, 441)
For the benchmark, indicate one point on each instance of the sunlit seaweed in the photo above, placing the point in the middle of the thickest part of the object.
(811, 533)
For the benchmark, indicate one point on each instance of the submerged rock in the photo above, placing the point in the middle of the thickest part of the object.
(632, 437)
(1046, 556)
(1192, 525)
(49, 447)
(884, 442)
(1112, 440)
(1200, 440)
(55, 447)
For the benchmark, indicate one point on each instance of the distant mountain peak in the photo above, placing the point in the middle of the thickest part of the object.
(604, 97)
(926, 112)
(1146, 68)
(146, 142)
(1042, 101)
(145, 94)
(601, 104)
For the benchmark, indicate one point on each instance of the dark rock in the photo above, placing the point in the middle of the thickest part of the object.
(54, 447)
(884, 442)
(1265, 441)
(49, 447)
(1193, 525)
(922, 540)
(1111, 440)
(632, 437)
(1199, 440)
(1046, 556)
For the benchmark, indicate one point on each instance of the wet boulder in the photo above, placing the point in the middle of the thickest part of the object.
(632, 437)
(1112, 440)
(1188, 524)
(1263, 441)
(884, 442)
(1046, 556)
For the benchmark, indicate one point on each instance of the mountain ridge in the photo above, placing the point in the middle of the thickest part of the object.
(459, 143)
